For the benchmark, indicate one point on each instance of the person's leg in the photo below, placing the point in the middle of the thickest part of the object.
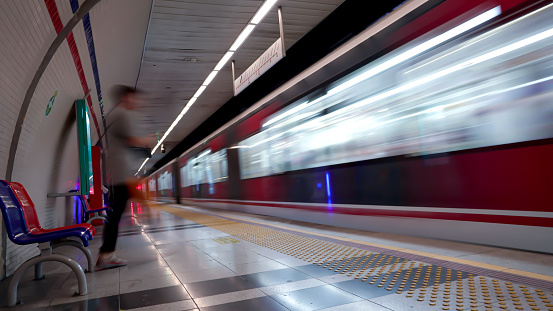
(106, 258)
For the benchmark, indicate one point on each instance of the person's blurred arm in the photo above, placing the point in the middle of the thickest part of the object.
(140, 141)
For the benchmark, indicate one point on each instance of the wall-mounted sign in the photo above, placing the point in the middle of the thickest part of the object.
(50, 103)
(259, 67)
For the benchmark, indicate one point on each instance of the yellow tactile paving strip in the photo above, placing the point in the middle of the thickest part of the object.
(410, 279)
(414, 252)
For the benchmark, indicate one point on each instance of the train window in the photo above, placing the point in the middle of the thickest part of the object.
(165, 184)
(152, 185)
(479, 90)
(218, 166)
(206, 168)
(184, 176)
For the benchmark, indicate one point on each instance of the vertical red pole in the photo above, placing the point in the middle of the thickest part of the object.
(96, 197)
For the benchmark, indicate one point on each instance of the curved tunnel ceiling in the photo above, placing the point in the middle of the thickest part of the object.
(186, 39)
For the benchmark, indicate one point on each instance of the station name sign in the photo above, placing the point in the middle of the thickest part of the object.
(270, 57)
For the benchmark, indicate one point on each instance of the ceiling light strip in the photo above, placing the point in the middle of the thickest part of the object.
(242, 37)
(259, 15)
(210, 77)
(263, 10)
(223, 60)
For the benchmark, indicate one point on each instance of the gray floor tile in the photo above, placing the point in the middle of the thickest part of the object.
(97, 304)
(217, 286)
(314, 270)
(362, 289)
(315, 298)
(185, 305)
(225, 298)
(254, 267)
(239, 259)
(205, 275)
(153, 297)
(274, 277)
(132, 273)
(290, 287)
(187, 266)
(257, 304)
(142, 284)
(358, 306)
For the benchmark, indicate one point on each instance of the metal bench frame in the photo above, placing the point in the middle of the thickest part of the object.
(88, 210)
(34, 227)
(16, 227)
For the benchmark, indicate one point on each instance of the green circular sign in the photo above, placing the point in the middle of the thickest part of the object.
(51, 103)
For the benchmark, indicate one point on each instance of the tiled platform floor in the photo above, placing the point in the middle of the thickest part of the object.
(178, 264)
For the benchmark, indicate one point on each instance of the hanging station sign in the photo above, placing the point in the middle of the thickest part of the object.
(270, 57)
(267, 60)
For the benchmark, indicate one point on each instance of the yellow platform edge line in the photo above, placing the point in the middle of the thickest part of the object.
(405, 250)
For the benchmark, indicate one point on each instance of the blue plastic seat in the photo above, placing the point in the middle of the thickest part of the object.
(18, 232)
(17, 228)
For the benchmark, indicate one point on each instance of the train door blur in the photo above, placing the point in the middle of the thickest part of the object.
(233, 174)
(196, 174)
(176, 182)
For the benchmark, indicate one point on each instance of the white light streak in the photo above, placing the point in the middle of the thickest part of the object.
(210, 77)
(287, 113)
(263, 10)
(191, 102)
(242, 37)
(208, 151)
(142, 166)
(200, 91)
(419, 49)
(223, 60)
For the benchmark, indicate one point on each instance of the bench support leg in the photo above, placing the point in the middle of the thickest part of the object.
(102, 217)
(38, 271)
(45, 250)
(14, 282)
(79, 245)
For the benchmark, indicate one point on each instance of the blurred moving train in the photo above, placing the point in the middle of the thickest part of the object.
(436, 121)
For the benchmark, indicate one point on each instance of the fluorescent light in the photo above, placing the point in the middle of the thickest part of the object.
(191, 102)
(141, 166)
(263, 10)
(178, 118)
(223, 60)
(200, 91)
(242, 37)
(210, 77)
(184, 110)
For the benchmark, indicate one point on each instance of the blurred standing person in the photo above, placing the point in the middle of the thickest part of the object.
(121, 138)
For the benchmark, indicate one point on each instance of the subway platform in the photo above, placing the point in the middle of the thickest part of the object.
(187, 258)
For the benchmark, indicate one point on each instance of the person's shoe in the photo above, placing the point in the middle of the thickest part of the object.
(110, 262)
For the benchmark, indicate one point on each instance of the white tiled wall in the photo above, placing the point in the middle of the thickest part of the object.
(42, 165)
(25, 36)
